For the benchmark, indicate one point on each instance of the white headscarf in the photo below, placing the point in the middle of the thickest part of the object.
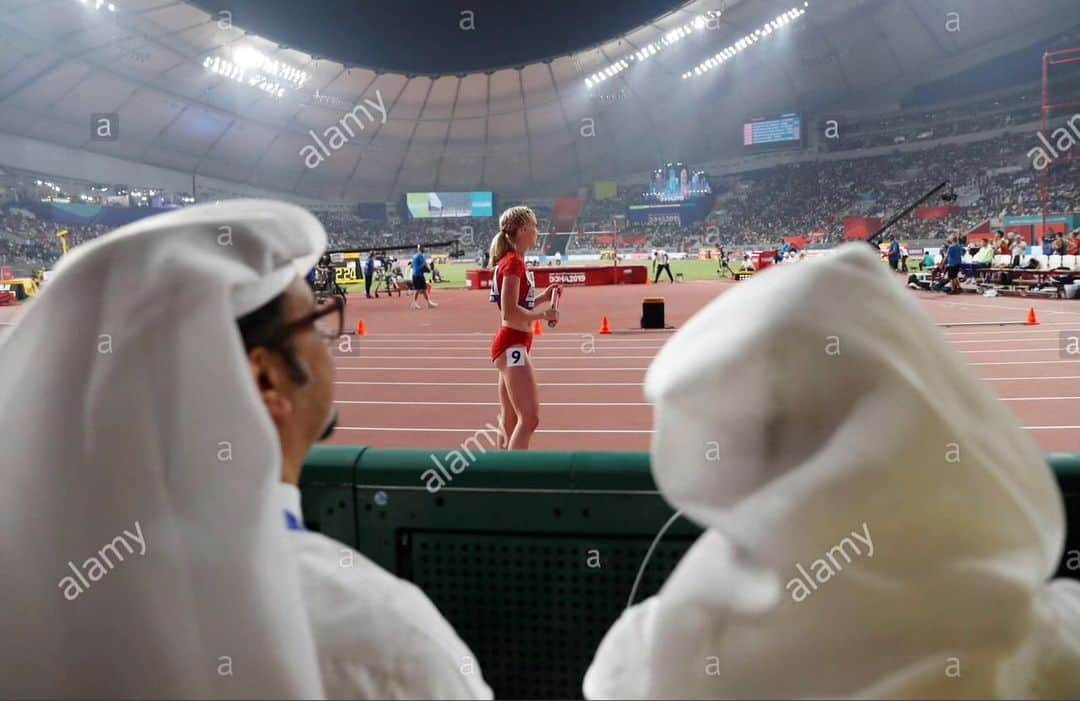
(812, 404)
(131, 407)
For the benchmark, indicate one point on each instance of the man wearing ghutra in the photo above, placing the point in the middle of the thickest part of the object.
(141, 417)
(932, 559)
(183, 362)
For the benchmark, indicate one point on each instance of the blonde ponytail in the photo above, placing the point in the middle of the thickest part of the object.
(511, 220)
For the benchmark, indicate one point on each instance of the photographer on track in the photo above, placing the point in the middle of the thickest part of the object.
(386, 278)
(369, 273)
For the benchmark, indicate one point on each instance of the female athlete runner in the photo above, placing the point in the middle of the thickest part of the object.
(512, 289)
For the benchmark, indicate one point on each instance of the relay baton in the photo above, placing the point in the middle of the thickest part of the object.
(555, 306)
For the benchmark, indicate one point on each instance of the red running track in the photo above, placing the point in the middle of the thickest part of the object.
(423, 379)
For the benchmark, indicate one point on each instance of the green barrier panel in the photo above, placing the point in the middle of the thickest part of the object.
(529, 555)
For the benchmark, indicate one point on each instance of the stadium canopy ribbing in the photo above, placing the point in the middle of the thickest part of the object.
(198, 95)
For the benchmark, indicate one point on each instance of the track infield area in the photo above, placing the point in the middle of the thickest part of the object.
(423, 379)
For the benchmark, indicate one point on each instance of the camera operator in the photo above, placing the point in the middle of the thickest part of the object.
(323, 275)
(419, 282)
(369, 273)
(387, 277)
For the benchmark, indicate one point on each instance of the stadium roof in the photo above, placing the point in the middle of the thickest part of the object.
(196, 94)
(428, 37)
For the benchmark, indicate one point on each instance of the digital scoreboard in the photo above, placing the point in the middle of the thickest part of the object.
(785, 130)
(440, 205)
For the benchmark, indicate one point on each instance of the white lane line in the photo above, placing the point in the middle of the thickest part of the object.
(417, 429)
(414, 429)
(600, 356)
(586, 356)
(1011, 350)
(1007, 306)
(489, 334)
(1044, 377)
(490, 368)
(545, 337)
(542, 344)
(603, 342)
(440, 383)
(1025, 336)
(427, 403)
(1034, 329)
(638, 369)
(1026, 362)
(561, 346)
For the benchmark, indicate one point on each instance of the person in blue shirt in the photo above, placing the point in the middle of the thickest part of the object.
(954, 256)
(894, 253)
(419, 282)
(369, 273)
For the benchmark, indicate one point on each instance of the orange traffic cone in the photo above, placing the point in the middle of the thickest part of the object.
(605, 327)
(538, 328)
(1031, 320)
(361, 330)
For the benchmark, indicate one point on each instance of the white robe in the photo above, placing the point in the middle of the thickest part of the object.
(798, 409)
(377, 636)
(136, 412)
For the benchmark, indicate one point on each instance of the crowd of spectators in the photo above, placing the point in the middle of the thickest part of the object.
(992, 178)
(996, 111)
(28, 244)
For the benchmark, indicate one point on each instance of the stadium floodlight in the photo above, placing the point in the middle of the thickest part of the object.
(98, 5)
(670, 38)
(253, 68)
(750, 39)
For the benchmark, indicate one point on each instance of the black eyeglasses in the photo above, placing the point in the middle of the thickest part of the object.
(328, 320)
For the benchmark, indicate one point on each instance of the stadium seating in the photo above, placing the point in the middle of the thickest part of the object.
(756, 209)
(530, 556)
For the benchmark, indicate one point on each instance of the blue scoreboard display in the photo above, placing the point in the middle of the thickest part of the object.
(778, 131)
(444, 205)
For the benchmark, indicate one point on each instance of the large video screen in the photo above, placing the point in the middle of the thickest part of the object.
(439, 205)
(676, 183)
(783, 130)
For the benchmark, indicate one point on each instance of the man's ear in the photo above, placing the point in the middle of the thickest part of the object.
(271, 382)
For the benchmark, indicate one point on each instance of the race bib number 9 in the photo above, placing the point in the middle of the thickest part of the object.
(516, 356)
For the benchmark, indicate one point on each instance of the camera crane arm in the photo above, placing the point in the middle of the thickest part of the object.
(872, 240)
(454, 245)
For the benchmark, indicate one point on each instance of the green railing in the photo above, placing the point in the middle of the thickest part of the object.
(530, 556)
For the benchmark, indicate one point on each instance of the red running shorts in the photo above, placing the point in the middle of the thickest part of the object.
(505, 340)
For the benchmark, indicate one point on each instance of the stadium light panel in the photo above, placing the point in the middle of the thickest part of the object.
(670, 38)
(750, 39)
(98, 5)
(249, 66)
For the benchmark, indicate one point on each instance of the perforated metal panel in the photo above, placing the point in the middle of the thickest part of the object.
(533, 609)
(504, 552)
